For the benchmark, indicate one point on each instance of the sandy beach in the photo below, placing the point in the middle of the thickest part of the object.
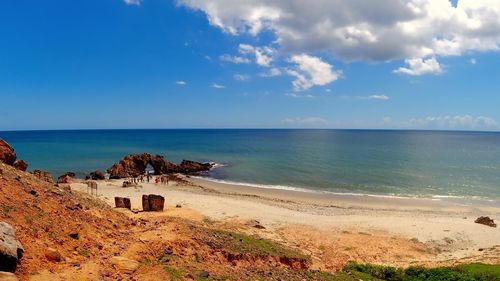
(420, 231)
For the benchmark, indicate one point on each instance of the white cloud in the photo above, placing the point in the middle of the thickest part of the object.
(218, 86)
(378, 97)
(133, 2)
(307, 122)
(234, 59)
(363, 30)
(271, 72)
(241, 77)
(263, 55)
(181, 82)
(420, 66)
(311, 71)
(473, 61)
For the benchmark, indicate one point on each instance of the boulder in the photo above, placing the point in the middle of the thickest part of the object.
(44, 176)
(21, 165)
(7, 153)
(124, 265)
(53, 255)
(8, 276)
(192, 167)
(153, 203)
(122, 202)
(67, 177)
(96, 175)
(11, 250)
(486, 221)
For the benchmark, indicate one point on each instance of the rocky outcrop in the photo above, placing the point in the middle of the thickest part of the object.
(134, 165)
(486, 221)
(153, 203)
(7, 153)
(122, 202)
(44, 176)
(53, 255)
(192, 167)
(68, 177)
(21, 165)
(11, 250)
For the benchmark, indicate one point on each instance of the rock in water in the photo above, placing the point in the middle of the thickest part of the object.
(11, 250)
(44, 176)
(7, 153)
(20, 165)
(122, 202)
(153, 203)
(124, 264)
(486, 221)
(192, 167)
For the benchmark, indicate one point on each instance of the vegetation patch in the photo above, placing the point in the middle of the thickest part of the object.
(468, 272)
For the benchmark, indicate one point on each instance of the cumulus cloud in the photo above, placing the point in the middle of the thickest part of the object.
(133, 2)
(263, 55)
(364, 30)
(311, 71)
(218, 86)
(420, 66)
(234, 59)
(181, 82)
(241, 77)
(306, 122)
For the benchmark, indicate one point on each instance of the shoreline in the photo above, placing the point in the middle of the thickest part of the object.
(345, 200)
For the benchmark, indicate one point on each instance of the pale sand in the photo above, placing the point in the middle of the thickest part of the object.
(444, 225)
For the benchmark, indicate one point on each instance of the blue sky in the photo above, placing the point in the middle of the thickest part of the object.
(86, 64)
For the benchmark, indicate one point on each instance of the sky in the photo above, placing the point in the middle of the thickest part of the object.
(380, 64)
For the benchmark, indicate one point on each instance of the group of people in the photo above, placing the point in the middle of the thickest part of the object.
(148, 178)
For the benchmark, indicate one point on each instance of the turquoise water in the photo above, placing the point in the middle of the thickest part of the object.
(407, 163)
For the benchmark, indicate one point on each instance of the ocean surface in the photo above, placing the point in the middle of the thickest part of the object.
(396, 163)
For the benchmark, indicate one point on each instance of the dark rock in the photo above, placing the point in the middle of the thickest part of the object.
(96, 175)
(44, 176)
(169, 251)
(74, 235)
(75, 207)
(31, 191)
(153, 203)
(178, 206)
(192, 167)
(21, 165)
(7, 153)
(128, 184)
(53, 255)
(11, 250)
(203, 274)
(122, 202)
(68, 177)
(486, 221)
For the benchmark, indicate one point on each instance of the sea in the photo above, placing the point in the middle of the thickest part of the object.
(429, 164)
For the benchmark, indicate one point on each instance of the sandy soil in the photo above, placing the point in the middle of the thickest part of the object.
(397, 231)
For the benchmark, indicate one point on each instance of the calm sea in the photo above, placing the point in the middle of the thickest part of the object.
(402, 163)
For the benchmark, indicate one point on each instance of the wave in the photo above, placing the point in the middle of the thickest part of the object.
(299, 189)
